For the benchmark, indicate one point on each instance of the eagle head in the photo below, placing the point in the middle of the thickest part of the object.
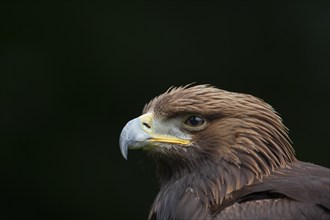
(188, 126)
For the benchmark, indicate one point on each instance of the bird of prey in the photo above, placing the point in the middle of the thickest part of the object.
(224, 155)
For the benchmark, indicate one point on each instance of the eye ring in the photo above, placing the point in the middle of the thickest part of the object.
(194, 122)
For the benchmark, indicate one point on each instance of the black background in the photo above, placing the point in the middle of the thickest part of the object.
(72, 75)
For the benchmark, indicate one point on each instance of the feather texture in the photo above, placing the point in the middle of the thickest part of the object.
(241, 166)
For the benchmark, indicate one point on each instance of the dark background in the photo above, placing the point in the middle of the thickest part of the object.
(72, 75)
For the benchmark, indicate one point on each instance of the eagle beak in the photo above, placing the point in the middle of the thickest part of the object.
(140, 133)
(132, 136)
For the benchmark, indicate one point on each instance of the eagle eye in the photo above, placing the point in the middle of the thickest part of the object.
(194, 121)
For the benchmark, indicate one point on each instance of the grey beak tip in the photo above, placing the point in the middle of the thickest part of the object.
(123, 148)
(132, 136)
(124, 153)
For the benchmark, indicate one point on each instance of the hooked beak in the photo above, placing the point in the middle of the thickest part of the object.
(140, 133)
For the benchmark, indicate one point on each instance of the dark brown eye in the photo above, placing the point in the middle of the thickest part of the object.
(194, 121)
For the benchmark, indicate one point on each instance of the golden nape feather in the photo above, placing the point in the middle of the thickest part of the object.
(224, 155)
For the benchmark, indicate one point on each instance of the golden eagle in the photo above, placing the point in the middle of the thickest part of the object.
(224, 155)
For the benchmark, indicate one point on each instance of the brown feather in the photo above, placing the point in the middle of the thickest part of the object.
(242, 165)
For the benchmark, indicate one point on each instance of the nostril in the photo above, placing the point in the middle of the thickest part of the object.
(147, 125)
(146, 121)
